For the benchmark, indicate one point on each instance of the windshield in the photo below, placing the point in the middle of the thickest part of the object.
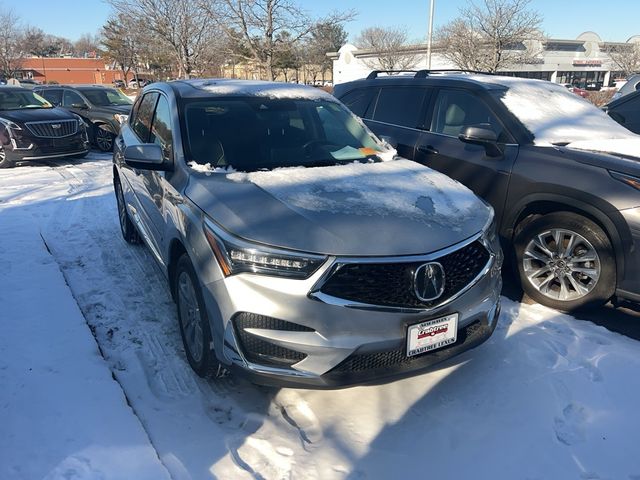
(249, 134)
(19, 99)
(106, 97)
(554, 115)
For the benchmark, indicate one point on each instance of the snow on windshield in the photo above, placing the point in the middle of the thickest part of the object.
(400, 188)
(553, 114)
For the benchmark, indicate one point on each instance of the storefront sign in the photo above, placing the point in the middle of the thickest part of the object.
(587, 63)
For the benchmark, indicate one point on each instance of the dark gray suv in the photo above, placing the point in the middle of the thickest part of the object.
(300, 249)
(562, 176)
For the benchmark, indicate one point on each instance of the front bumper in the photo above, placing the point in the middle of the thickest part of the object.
(341, 344)
(35, 148)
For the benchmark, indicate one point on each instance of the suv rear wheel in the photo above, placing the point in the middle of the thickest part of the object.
(565, 261)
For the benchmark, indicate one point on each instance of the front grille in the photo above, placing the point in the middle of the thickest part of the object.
(257, 350)
(391, 284)
(398, 357)
(62, 128)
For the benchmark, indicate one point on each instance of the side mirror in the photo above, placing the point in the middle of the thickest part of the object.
(482, 136)
(81, 106)
(390, 140)
(146, 156)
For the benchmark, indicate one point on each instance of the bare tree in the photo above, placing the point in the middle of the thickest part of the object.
(259, 25)
(184, 27)
(86, 45)
(120, 44)
(491, 35)
(390, 48)
(626, 57)
(11, 44)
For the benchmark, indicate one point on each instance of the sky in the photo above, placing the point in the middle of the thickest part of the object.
(567, 20)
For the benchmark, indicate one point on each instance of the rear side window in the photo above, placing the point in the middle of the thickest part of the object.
(141, 123)
(53, 96)
(360, 101)
(400, 106)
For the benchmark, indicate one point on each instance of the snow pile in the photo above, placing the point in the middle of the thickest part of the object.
(400, 188)
(629, 147)
(274, 90)
(553, 114)
(61, 413)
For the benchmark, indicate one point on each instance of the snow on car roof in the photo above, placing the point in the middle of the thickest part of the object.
(552, 113)
(256, 88)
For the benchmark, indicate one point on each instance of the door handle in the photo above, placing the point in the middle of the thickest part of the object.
(428, 150)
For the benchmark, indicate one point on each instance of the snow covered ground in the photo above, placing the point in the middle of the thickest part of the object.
(547, 397)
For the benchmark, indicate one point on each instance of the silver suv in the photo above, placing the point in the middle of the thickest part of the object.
(299, 248)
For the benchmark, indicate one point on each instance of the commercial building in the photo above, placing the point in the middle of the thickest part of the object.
(68, 70)
(583, 62)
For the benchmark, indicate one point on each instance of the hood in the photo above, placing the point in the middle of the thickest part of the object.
(36, 115)
(388, 208)
(124, 109)
(622, 155)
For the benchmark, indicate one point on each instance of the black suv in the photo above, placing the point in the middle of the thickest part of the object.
(32, 129)
(103, 108)
(563, 177)
(626, 111)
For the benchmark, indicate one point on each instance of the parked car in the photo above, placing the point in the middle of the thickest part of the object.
(32, 129)
(566, 210)
(626, 111)
(140, 83)
(295, 254)
(104, 109)
(119, 84)
(577, 90)
(632, 85)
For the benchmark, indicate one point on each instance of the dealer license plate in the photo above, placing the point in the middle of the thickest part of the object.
(432, 334)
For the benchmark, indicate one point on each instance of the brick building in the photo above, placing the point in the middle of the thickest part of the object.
(69, 70)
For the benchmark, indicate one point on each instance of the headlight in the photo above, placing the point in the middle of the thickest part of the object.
(9, 124)
(121, 118)
(628, 179)
(81, 122)
(236, 255)
(490, 229)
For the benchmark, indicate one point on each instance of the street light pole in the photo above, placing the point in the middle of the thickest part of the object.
(430, 35)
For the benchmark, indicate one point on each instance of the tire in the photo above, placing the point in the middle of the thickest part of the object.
(128, 229)
(4, 161)
(565, 261)
(194, 321)
(103, 139)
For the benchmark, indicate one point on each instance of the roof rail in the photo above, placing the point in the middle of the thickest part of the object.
(425, 73)
(375, 73)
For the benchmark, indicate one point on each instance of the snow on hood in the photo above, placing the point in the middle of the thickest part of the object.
(553, 114)
(396, 188)
(629, 147)
(275, 90)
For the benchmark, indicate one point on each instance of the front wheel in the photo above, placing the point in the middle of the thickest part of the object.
(194, 322)
(128, 229)
(4, 161)
(104, 139)
(565, 261)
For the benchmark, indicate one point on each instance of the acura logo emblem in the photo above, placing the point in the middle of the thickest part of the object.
(428, 281)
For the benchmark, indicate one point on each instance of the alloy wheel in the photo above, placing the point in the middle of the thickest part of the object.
(190, 316)
(561, 264)
(104, 139)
